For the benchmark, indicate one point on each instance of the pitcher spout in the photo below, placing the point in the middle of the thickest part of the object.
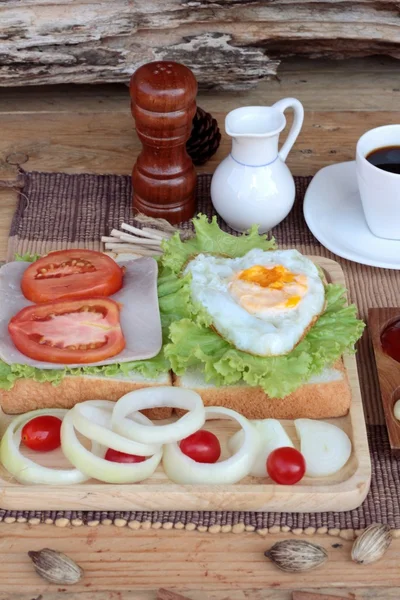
(255, 134)
(254, 122)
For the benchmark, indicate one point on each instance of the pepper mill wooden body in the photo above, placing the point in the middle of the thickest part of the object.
(163, 105)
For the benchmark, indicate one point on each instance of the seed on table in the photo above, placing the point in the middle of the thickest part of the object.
(55, 567)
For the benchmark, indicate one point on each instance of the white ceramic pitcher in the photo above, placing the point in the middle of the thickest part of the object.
(253, 184)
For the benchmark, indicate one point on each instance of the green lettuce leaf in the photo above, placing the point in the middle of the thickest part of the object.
(335, 332)
(10, 373)
(27, 257)
(211, 239)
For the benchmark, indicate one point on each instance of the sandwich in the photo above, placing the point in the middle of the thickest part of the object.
(75, 326)
(246, 325)
(264, 332)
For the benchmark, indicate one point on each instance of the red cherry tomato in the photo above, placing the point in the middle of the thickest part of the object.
(286, 465)
(202, 446)
(122, 457)
(42, 433)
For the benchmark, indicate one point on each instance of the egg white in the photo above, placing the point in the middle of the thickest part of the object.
(268, 333)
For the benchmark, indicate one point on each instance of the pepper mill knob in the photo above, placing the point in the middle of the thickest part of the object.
(163, 105)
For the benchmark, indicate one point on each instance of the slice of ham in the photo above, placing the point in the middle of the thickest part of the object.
(140, 316)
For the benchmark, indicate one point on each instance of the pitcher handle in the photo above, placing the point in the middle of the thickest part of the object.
(298, 110)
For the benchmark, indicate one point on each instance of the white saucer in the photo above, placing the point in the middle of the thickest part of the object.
(333, 213)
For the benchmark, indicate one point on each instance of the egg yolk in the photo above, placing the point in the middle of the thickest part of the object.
(292, 302)
(274, 278)
(277, 288)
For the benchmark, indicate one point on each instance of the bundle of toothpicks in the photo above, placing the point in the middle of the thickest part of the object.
(134, 242)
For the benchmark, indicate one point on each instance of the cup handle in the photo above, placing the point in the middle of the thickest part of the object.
(298, 109)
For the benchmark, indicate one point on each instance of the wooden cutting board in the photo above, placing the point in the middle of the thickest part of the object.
(345, 490)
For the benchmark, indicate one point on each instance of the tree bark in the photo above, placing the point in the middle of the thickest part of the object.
(229, 44)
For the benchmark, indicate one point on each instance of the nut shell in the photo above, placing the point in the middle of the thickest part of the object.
(295, 556)
(372, 544)
(55, 567)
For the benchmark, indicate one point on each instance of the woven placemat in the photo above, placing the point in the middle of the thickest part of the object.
(57, 211)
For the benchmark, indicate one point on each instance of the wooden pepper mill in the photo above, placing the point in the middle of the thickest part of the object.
(163, 105)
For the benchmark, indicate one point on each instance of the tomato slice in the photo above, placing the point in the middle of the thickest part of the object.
(71, 275)
(42, 433)
(202, 446)
(75, 331)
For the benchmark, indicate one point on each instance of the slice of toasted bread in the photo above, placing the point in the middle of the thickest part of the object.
(28, 394)
(323, 397)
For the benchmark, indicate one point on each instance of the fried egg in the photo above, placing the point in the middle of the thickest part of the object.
(262, 303)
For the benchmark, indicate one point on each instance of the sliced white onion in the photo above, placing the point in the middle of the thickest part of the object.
(182, 469)
(163, 396)
(325, 447)
(93, 420)
(99, 468)
(26, 470)
(272, 435)
(396, 410)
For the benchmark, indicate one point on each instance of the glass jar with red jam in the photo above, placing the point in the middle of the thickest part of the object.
(390, 340)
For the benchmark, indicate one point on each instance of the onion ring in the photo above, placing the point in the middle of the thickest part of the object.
(182, 469)
(169, 396)
(97, 466)
(26, 470)
(93, 420)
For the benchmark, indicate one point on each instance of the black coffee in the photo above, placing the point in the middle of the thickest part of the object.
(387, 158)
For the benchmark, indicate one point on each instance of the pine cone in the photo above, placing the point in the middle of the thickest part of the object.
(204, 139)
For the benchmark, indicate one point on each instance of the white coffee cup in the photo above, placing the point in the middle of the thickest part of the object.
(379, 189)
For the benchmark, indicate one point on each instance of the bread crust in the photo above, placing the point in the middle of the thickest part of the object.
(28, 394)
(312, 400)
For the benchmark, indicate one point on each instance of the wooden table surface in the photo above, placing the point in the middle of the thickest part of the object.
(89, 129)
